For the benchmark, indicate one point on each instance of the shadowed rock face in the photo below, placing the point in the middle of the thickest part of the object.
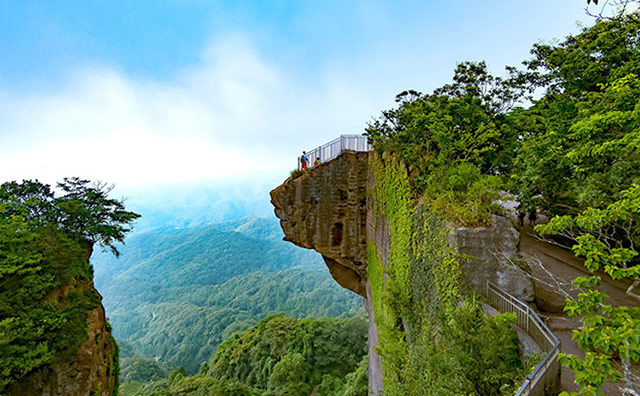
(91, 371)
(325, 209)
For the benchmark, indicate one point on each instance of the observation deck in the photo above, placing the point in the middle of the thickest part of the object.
(334, 148)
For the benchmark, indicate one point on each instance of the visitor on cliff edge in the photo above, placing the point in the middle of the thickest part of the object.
(304, 160)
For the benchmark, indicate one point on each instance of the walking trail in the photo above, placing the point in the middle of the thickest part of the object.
(553, 267)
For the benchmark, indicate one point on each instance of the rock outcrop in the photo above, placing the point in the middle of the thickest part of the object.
(325, 209)
(330, 209)
(491, 255)
(91, 372)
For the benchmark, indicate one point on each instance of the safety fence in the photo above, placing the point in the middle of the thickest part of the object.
(334, 148)
(545, 379)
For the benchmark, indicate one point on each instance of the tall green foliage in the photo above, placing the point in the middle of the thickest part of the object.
(83, 209)
(278, 356)
(574, 152)
(580, 140)
(608, 332)
(45, 275)
(280, 352)
(580, 159)
(456, 142)
(434, 338)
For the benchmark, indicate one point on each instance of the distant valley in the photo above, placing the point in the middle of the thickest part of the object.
(176, 293)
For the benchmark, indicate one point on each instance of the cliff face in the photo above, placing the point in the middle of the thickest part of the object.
(325, 210)
(91, 372)
(91, 369)
(331, 209)
(489, 257)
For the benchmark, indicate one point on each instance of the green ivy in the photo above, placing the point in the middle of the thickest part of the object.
(433, 338)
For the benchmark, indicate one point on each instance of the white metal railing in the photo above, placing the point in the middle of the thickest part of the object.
(546, 375)
(334, 148)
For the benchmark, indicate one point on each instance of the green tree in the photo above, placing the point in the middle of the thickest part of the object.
(579, 145)
(83, 209)
(289, 356)
(609, 335)
(290, 373)
(455, 142)
(141, 370)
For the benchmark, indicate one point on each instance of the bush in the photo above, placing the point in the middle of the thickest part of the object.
(462, 194)
(296, 173)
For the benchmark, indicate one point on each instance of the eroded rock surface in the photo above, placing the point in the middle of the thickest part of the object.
(325, 210)
(330, 209)
(90, 372)
(492, 256)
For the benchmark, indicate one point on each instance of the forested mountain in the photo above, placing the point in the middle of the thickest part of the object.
(176, 293)
(278, 356)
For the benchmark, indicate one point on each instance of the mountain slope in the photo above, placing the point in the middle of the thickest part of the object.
(175, 294)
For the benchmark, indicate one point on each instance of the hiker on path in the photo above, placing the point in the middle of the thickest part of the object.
(304, 160)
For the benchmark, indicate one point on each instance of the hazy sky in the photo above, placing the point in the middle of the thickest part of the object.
(143, 92)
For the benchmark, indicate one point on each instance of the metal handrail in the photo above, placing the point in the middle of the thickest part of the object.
(528, 320)
(334, 148)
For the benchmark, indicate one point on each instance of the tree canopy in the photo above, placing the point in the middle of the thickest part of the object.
(83, 209)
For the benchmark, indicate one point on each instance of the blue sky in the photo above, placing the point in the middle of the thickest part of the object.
(143, 92)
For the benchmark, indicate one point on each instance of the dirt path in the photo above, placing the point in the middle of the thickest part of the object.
(553, 267)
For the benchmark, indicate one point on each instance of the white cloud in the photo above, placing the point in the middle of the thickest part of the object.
(234, 115)
(240, 115)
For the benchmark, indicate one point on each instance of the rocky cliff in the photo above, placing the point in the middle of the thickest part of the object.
(90, 372)
(325, 209)
(87, 368)
(331, 209)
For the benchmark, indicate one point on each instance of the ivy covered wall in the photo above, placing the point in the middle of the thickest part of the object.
(434, 337)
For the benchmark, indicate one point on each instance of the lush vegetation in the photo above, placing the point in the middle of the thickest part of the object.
(581, 161)
(610, 335)
(45, 277)
(573, 152)
(434, 339)
(280, 355)
(175, 294)
(455, 143)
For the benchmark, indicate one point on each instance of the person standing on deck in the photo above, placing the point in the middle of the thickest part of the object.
(304, 160)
